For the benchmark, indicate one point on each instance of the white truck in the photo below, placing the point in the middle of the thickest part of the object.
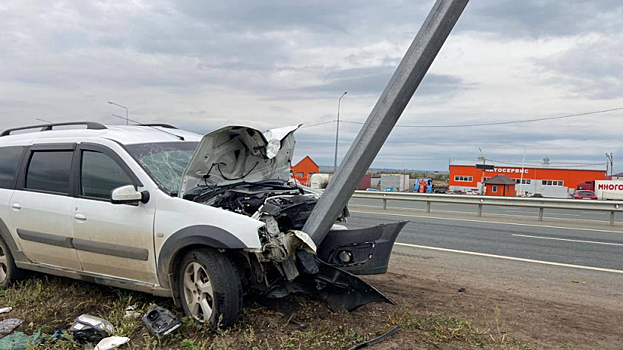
(608, 189)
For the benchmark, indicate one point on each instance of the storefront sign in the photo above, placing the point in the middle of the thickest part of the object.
(509, 171)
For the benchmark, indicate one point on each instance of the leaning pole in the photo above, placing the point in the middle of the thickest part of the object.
(383, 118)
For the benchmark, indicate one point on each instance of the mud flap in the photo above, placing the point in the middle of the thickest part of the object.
(361, 251)
(340, 289)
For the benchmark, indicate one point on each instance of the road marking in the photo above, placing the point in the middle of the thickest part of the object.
(510, 258)
(488, 222)
(569, 240)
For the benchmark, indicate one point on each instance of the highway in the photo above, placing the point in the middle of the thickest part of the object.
(597, 249)
(584, 215)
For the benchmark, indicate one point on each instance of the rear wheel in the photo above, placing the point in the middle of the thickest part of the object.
(8, 271)
(210, 288)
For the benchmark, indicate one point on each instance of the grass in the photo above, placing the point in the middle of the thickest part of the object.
(49, 303)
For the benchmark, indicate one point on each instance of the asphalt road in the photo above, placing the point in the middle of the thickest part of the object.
(597, 249)
(506, 211)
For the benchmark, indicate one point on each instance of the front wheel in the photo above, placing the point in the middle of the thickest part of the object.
(210, 288)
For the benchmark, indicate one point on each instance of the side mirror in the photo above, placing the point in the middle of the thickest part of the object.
(128, 195)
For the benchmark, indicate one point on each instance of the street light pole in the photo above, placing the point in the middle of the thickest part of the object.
(127, 113)
(337, 131)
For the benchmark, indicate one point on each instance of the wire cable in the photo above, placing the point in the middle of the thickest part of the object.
(498, 123)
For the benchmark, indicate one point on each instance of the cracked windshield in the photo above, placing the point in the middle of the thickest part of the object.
(165, 162)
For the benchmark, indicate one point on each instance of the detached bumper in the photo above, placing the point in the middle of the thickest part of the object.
(361, 251)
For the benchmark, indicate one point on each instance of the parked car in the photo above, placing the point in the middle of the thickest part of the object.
(156, 209)
(584, 194)
(537, 195)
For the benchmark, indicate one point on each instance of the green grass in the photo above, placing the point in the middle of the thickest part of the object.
(49, 303)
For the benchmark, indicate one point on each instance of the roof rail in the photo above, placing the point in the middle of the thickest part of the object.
(50, 126)
(166, 126)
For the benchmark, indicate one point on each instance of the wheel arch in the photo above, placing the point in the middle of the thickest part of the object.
(186, 240)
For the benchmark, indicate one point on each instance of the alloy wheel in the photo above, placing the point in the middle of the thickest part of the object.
(3, 265)
(198, 292)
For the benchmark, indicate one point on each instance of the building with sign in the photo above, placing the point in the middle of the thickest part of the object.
(556, 180)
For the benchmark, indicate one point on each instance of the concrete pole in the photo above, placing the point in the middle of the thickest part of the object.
(383, 118)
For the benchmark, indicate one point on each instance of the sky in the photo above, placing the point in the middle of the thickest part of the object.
(202, 65)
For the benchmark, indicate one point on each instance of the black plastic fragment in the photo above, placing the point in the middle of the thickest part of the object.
(376, 340)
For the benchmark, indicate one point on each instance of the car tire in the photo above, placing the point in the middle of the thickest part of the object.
(210, 288)
(9, 273)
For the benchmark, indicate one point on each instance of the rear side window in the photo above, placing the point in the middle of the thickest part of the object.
(100, 174)
(9, 163)
(49, 171)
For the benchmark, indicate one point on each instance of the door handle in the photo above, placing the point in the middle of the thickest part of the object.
(80, 217)
(16, 206)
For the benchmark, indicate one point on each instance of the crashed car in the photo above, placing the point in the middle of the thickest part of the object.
(204, 220)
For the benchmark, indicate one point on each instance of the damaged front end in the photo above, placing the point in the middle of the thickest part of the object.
(244, 171)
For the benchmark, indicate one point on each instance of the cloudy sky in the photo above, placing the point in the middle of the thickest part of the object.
(205, 64)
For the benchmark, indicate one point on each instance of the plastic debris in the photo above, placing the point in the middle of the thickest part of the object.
(4, 310)
(462, 290)
(376, 340)
(160, 321)
(130, 312)
(91, 329)
(111, 343)
(20, 341)
(7, 326)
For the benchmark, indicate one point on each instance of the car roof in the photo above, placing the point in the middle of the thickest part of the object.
(123, 134)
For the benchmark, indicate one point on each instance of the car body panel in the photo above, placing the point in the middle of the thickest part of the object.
(237, 153)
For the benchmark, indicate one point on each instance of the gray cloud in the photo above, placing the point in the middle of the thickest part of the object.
(202, 65)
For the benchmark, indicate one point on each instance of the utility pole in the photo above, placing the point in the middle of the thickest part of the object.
(611, 162)
(337, 131)
(388, 109)
(482, 180)
(127, 112)
(523, 168)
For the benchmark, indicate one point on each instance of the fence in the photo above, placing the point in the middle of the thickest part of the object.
(541, 203)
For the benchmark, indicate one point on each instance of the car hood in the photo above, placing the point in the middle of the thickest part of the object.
(239, 153)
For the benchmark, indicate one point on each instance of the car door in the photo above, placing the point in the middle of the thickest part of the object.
(41, 211)
(111, 239)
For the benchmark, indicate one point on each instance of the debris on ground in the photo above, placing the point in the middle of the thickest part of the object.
(20, 341)
(91, 329)
(160, 321)
(131, 313)
(7, 326)
(376, 340)
(462, 290)
(4, 310)
(111, 343)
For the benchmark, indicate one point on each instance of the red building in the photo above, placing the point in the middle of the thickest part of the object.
(549, 179)
(500, 185)
(304, 169)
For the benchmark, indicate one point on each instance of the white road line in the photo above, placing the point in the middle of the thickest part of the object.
(488, 222)
(569, 240)
(511, 258)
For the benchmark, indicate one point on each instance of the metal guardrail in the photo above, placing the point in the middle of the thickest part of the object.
(541, 203)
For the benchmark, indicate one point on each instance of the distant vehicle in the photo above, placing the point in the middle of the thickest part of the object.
(537, 195)
(584, 194)
(604, 189)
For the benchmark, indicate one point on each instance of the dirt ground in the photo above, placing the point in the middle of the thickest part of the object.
(431, 311)
(540, 319)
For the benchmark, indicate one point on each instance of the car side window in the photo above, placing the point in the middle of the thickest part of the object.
(49, 171)
(100, 174)
(9, 163)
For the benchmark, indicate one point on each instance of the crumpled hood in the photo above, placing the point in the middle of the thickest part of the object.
(239, 153)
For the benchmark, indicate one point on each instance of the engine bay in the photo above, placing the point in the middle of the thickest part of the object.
(288, 204)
